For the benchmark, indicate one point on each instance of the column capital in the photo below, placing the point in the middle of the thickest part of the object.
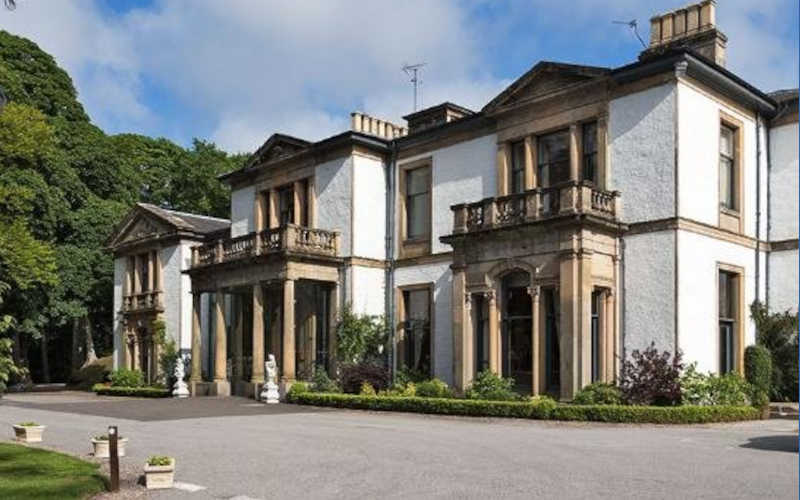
(468, 301)
(490, 295)
(533, 291)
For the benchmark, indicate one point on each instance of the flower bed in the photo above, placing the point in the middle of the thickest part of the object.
(542, 410)
(139, 392)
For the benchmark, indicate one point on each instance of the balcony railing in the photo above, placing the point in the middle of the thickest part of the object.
(288, 238)
(536, 204)
(142, 301)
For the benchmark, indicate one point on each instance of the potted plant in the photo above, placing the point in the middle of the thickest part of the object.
(102, 449)
(159, 472)
(29, 432)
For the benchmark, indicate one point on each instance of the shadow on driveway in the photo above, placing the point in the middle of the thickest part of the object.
(148, 410)
(779, 442)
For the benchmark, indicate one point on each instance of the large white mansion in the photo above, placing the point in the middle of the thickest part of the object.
(584, 212)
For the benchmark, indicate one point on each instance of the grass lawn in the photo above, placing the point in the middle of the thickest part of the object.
(35, 473)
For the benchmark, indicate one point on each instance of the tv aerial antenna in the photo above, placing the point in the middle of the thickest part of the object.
(413, 70)
(634, 26)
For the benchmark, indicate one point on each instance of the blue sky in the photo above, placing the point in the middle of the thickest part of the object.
(235, 71)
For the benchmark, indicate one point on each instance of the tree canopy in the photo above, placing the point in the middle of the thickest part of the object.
(64, 184)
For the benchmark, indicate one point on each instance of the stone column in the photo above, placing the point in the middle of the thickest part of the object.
(137, 275)
(530, 162)
(257, 372)
(221, 385)
(574, 152)
(502, 169)
(576, 321)
(150, 271)
(273, 208)
(462, 334)
(288, 334)
(535, 335)
(333, 320)
(311, 202)
(197, 362)
(299, 196)
(494, 336)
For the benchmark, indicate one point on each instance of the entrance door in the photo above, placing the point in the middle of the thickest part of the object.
(517, 331)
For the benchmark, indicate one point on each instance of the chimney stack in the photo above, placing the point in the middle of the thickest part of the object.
(693, 27)
(365, 124)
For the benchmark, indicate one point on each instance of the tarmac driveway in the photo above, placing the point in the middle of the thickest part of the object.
(236, 448)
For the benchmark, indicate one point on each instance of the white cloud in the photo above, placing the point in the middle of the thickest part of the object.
(248, 68)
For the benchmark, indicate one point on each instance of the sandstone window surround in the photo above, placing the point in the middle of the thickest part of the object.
(572, 152)
(731, 189)
(730, 309)
(415, 207)
(290, 203)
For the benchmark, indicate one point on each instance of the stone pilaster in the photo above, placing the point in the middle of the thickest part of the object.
(257, 371)
(288, 335)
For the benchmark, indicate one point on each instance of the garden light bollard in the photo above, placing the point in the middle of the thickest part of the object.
(180, 390)
(114, 457)
(269, 393)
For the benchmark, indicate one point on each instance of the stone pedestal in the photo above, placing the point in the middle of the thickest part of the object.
(269, 393)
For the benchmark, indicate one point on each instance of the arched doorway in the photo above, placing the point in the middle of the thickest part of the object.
(517, 330)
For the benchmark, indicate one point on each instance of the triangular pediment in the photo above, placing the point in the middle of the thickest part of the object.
(139, 226)
(542, 80)
(276, 147)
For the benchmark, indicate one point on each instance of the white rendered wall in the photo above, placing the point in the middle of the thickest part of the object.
(365, 290)
(171, 262)
(642, 153)
(242, 205)
(464, 172)
(186, 301)
(333, 182)
(649, 302)
(439, 275)
(783, 280)
(698, 320)
(119, 342)
(784, 169)
(698, 160)
(369, 208)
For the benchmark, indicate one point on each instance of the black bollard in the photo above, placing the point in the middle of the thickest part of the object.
(114, 457)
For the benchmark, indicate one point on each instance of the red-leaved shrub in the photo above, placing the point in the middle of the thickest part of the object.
(652, 377)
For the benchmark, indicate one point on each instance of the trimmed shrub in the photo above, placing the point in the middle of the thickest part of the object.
(367, 390)
(758, 372)
(298, 388)
(543, 409)
(406, 375)
(93, 373)
(409, 390)
(489, 386)
(778, 333)
(651, 378)
(353, 377)
(138, 392)
(433, 388)
(599, 393)
(321, 382)
(127, 378)
(710, 389)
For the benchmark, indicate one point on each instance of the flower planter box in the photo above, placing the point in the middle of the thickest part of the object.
(29, 433)
(103, 450)
(159, 476)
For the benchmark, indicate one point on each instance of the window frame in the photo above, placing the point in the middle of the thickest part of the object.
(516, 167)
(540, 165)
(733, 360)
(419, 245)
(731, 219)
(587, 155)
(402, 326)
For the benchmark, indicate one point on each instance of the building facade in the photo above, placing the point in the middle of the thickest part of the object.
(582, 213)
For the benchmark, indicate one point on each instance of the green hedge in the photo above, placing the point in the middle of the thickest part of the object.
(139, 392)
(546, 410)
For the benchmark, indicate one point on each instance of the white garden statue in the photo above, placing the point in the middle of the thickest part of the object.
(269, 393)
(180, 390)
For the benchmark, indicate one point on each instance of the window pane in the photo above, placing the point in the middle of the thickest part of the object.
(417, 344)
(725, 347)
(286, 205)
(517, 177)
(553, 147)
(726, 141)
(417, 305)
(418, 213)
(724, 295)
(590, 138)
(418, 181)
(726, 182)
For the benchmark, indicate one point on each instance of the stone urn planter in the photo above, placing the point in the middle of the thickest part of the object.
(159, 472)
(102, 448)
(29, 432)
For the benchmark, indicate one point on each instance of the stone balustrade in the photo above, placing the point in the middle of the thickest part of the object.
(142, 301)
(289, 238)
(534, 205)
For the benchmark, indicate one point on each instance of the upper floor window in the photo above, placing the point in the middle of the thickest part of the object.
(516, 181)
(553, 161)
(286, 205)
(727, 168)
(589, 141)
(418, 207)
(144, 272)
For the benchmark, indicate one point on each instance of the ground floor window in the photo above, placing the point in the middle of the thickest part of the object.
(728, 313)
(552, 350)
(596, 296)
(416, 343)
(517, 332)
(481, 334)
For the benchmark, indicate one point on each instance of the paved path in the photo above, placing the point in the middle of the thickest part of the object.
(234, 448)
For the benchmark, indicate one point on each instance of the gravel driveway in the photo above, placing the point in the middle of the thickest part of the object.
(236, 448)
